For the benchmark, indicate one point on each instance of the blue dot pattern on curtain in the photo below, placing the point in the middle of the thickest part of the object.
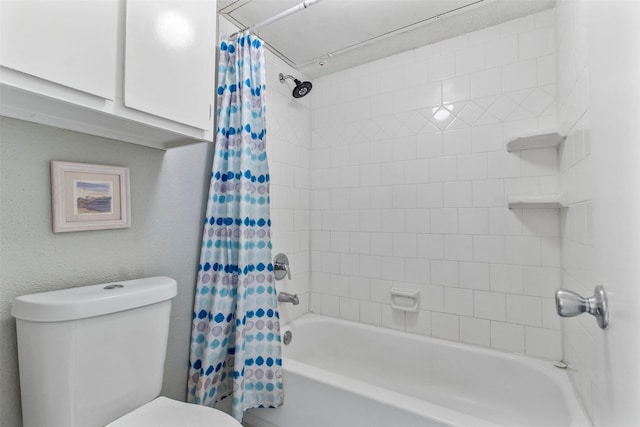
(235, 340)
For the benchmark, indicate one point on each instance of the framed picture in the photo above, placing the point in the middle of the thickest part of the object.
(89, 197)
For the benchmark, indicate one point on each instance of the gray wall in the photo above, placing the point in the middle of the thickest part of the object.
(168, 196)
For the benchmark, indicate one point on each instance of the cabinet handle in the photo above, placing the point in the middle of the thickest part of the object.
(209, 111)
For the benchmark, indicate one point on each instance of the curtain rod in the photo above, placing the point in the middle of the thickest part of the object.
(386, 35)
(300, 6)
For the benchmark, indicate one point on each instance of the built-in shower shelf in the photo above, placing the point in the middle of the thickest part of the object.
(538, 201)
(533, 140)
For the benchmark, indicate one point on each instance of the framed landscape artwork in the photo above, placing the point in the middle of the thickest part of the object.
(89, 197)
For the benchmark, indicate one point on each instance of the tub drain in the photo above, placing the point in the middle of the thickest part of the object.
(287, 337)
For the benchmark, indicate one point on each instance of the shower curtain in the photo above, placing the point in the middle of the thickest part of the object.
(235, 340)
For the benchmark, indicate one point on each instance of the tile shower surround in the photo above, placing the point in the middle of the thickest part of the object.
(408, 182)
(581, 336)
(289, 148)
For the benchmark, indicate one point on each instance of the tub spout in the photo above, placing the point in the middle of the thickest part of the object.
(287, 297)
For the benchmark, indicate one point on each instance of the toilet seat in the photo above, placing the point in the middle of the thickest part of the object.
(165, 412)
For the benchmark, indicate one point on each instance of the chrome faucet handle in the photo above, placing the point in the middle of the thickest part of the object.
(569, 304)
(281, 267)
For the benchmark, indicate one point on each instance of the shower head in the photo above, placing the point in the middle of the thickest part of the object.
(301, 89)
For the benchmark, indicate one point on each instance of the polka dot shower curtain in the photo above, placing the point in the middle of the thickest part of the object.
(235, 340)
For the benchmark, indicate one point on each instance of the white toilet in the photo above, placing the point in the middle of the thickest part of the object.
(94, 356)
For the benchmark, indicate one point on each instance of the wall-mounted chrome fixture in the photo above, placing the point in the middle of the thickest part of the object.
(287, 297)
(287, 337)
(281, 267)
(301, 89)
(569, 304)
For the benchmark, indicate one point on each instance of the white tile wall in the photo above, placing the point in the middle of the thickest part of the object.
(289, 151)
(578, 252)
(408, 180)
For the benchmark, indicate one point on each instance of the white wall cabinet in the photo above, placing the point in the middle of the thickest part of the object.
(166, 40)
(42, 39)
(139, 71)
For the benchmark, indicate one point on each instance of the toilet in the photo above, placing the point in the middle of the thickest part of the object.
(94, 356)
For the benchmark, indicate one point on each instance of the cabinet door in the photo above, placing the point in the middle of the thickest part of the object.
(169, 59)
(72, 43)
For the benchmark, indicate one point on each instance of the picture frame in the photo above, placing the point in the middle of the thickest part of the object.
(87, 196)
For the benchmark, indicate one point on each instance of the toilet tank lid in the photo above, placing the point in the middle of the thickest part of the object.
(94, 300)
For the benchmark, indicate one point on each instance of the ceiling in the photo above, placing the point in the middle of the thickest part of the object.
(332, 35)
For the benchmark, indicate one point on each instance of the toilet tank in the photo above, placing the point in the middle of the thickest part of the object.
(91, 354)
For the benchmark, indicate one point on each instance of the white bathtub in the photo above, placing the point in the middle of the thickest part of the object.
(346, 374)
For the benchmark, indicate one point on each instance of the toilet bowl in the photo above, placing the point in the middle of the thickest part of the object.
(165, 412)
(94, 356)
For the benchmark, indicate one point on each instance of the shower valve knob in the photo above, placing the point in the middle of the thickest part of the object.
(570, 304)
(281, 267)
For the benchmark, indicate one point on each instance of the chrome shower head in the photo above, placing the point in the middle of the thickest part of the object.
(301, 89)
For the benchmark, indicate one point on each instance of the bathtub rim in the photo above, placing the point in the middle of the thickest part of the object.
(559, 377)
